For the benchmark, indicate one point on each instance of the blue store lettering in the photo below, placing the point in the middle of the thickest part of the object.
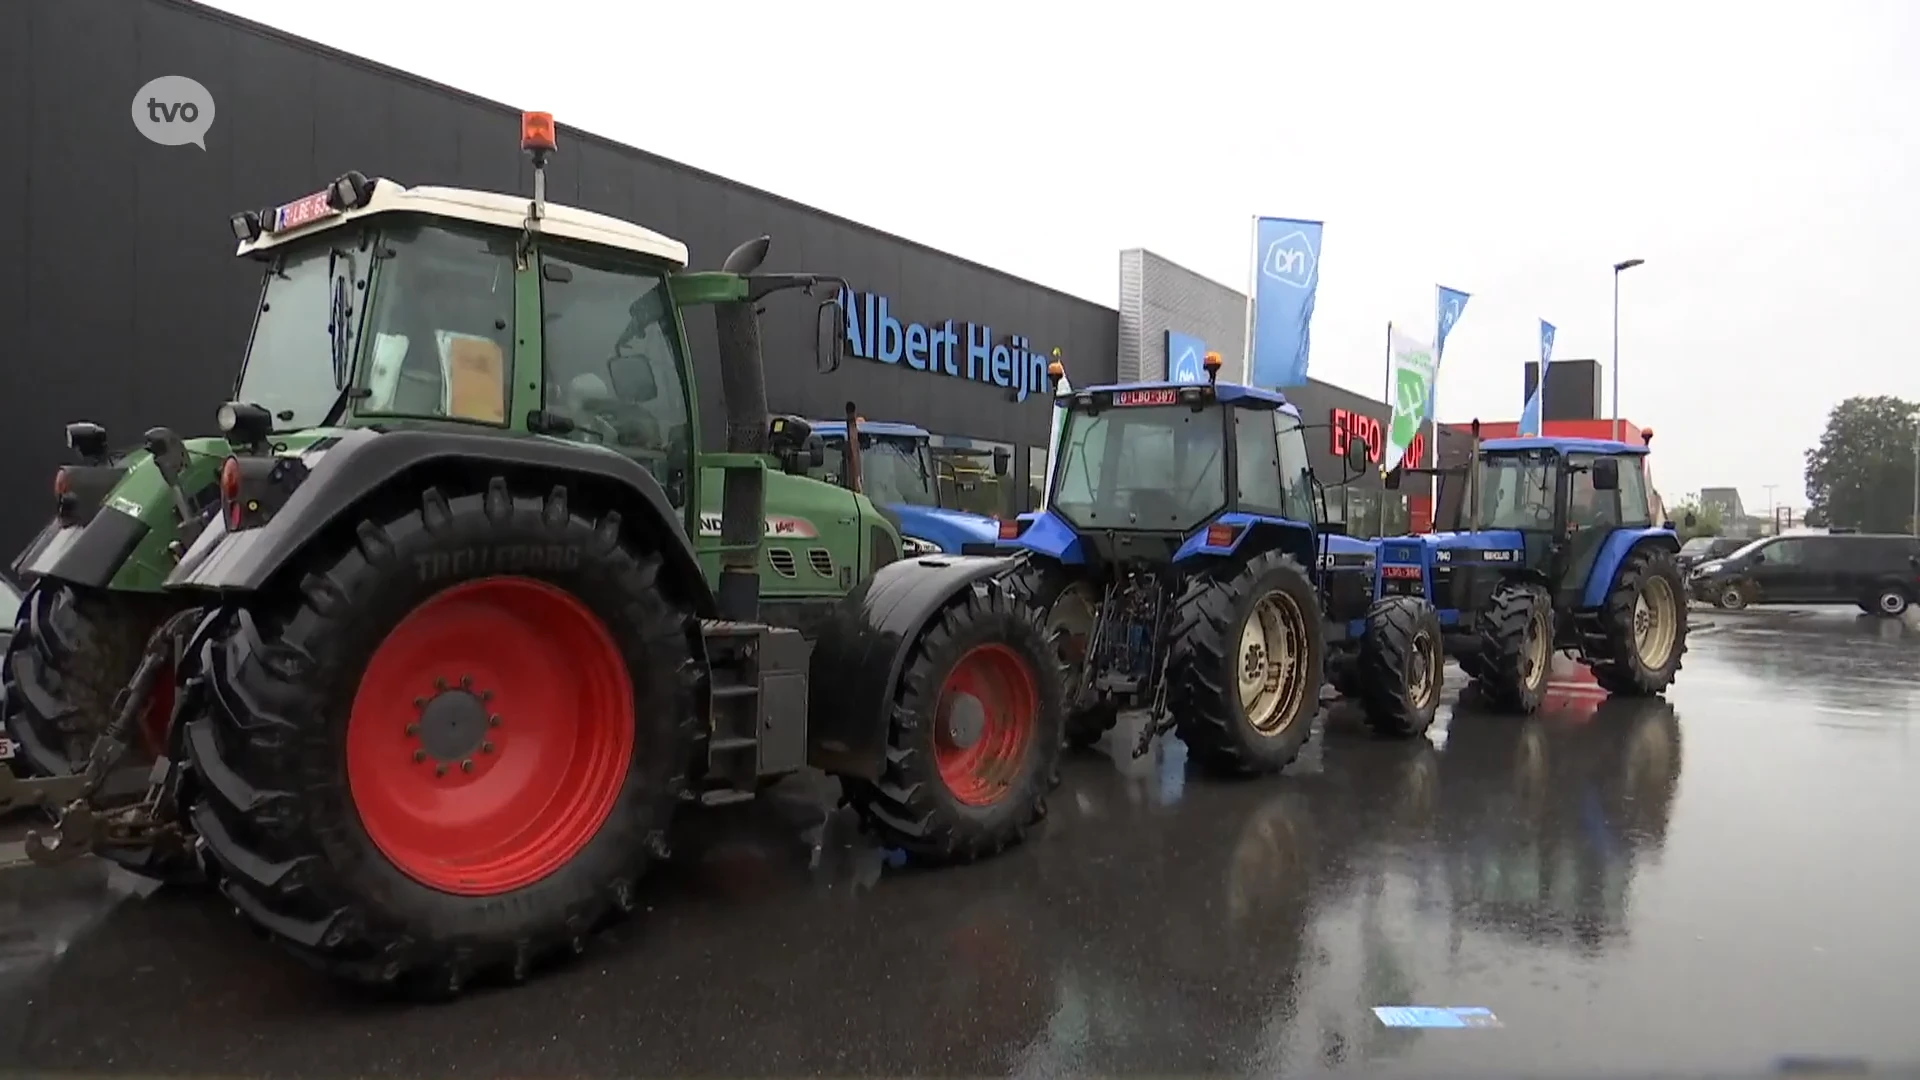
(963, 350)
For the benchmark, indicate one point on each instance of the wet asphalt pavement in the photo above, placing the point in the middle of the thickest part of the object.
(1620, 907)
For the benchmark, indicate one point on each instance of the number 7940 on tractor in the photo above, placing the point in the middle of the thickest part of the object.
(441, 640)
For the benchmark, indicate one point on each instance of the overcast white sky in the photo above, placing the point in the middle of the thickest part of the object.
(1763, 157)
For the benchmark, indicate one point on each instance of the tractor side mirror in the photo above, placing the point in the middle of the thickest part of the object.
(816, 452)
(1393, 478)
(1358, 455)
(1690, 520)
(829, 336)
(1002, 460)
(1606, 475)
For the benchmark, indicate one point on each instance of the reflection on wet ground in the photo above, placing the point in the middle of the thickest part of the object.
(1615, 911)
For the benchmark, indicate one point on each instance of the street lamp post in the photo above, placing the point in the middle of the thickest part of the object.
(1914, 524)
(1618, 268)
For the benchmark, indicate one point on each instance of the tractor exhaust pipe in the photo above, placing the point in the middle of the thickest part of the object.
(1473, 480)
(743, 497)
(853, 450)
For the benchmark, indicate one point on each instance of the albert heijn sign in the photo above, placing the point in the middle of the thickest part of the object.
(1345, 424)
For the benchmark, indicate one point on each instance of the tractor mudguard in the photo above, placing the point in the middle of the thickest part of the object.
(344, 473)
(89, 554)
(1613, 551)
(862, 649)
(1051, 537)
(1270, 533)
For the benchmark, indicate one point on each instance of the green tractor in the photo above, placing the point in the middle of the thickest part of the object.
(419, 657)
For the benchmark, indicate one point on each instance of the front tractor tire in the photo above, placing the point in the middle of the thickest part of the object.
(974, 734)
(1515, 656)
(1644, 623)
(73, 650)
(1401, 666)
(450, 749)
(1248, 659)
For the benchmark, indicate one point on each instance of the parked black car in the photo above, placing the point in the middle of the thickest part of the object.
(1880, 573)
(1702, 549)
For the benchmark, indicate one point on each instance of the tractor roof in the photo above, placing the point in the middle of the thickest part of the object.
(1224, 392)
(1564, 446)
(488, 208)
(838, 429)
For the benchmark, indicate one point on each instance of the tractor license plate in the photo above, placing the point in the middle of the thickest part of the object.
(301, 211)
(1146, 397)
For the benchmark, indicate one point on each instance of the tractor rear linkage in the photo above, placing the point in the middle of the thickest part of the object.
(80, 827)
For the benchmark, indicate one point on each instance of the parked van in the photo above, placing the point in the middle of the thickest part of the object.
(1879, 573)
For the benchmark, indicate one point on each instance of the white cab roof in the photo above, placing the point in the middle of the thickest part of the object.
(490, 208)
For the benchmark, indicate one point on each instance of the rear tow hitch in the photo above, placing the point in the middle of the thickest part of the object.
(81, 827)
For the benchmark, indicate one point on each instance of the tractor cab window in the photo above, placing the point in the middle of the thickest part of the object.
(439, 340)
(300, 353)
(893, 470)
(1518, 489)
(1296, 468)
(1256, 463)
(1635, 510)
(1588, 508)
(613, 362)
(1158, 467)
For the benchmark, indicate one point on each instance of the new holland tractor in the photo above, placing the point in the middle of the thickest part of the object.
(1557, 551)
(909, 479)
(1179, 565)
(428, 647)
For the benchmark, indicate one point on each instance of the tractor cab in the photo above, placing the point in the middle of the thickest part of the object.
(934, 494)
(1154, 474)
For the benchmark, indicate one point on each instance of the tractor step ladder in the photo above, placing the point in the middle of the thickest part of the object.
(758, 716)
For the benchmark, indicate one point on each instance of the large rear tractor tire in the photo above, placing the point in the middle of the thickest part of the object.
(1248, 659)
(1516, 648)
(451, 749)
(1644, 619)
(1402, 666)
(1070, 609)
(73, 650)
(973, 743)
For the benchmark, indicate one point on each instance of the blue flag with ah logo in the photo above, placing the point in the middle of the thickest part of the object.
(1449, 305)
(1287, 274)
(1530, 416)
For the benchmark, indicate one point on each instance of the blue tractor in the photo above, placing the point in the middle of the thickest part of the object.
(923, 488)
(1557, 550)
(1180, 564)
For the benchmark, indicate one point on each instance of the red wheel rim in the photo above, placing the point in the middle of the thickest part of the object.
(984, 723)
(490, 736)
(153, 725)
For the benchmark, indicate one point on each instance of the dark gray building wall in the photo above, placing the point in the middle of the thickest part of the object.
(124, 304)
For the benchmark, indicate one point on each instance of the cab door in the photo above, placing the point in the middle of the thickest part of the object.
(1588, 517)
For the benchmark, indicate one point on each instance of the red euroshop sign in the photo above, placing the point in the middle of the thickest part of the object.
(1346, 424)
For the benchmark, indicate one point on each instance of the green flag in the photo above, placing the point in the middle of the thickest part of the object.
(1413, 374)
